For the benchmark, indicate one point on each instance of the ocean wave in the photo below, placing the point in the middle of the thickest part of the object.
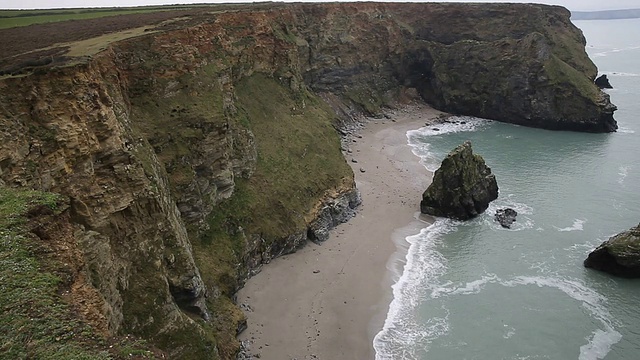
(623, 171)
(602, 339)
(523, 221)
(625, 130)
(577, 226)
(620, 74)
(424, 264)
(614, 51)
(473, 287)
(454, 124)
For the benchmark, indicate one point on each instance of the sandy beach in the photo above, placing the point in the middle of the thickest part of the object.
(328, 301)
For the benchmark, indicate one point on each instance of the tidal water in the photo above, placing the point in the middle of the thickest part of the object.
(473, 290)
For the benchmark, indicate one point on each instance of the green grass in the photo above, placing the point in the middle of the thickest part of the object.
(299, 159)
(299, 155)
(35, 321)
(18, 18)
(563, 74)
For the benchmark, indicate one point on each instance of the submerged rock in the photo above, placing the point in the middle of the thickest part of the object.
(603, 82)
(462, 187)
(620, 255)
(506, 217)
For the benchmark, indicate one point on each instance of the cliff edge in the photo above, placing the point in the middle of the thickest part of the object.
(195, 146)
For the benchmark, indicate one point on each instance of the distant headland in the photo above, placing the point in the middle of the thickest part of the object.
(606, 14)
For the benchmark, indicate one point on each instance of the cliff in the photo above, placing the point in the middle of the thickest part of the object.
(195, 148)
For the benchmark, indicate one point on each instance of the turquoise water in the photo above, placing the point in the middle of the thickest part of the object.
(472, 290)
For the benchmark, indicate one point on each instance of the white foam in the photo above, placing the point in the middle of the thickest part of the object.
(577, 226)
(602, 339)
(620, 74)
(454, 124)
(625, 130)
(623, 171)
(510, 332)
(473, 287)
(599, 345)
(423, 265)
(523, 220)
(614, 51)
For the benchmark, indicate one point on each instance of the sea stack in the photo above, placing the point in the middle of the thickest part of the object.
(603, 82)
(462, 187)
(620, 255)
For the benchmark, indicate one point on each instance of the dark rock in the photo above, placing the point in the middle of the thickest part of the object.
(333, 213)
(462, 187)
(506, 217)
(436, 129)
(603, 83)
(620, 255)
(519, 83)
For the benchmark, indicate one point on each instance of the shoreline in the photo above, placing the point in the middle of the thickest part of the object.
(329, 301)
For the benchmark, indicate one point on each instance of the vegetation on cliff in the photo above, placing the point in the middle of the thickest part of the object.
(194, 145)
(38, 318)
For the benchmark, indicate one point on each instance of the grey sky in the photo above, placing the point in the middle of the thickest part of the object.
(576, 5)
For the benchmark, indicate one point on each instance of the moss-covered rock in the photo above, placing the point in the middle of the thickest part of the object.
(620, 255)
(462, 187)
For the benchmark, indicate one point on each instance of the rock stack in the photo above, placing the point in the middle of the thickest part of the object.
(462, 187)
(620, 255)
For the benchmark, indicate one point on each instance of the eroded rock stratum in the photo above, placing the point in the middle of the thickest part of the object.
(200, 149)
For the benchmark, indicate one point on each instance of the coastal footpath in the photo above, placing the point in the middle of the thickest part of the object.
(190, 148)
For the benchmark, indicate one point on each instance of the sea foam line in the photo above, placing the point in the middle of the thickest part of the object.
(454, 124)
(601, 340)
(424, 264)
(577, 226)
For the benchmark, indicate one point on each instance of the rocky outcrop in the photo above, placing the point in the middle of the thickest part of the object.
(620, 255)
(603, 82)
(332, 214)
(506, 217)
(198, 151)
(462, 187)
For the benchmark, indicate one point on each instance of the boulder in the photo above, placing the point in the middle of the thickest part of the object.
(603, 83)
(462, 187)
(506, 217)
(620, 255)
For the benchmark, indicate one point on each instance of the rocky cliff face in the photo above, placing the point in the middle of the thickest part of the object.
(194, 154)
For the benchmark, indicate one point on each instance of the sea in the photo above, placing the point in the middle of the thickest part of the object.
(474, 290)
